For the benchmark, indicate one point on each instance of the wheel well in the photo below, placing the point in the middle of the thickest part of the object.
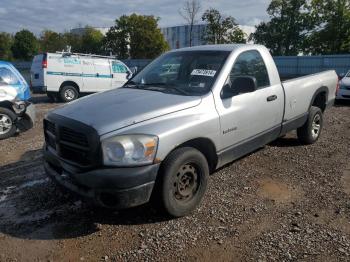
(207, 148)
(7, 105)
(320, 100)
(70, 83)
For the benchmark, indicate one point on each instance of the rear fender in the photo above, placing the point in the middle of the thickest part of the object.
(320, 90)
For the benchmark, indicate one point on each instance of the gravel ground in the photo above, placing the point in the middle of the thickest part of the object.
(284, 202)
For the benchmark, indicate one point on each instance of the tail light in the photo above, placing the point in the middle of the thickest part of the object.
(44, 62)
(337, 89)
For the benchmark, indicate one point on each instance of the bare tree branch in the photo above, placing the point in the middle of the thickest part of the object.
(190, 12)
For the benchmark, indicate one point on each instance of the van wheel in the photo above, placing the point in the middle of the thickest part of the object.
(7, 123)
(184, 177)
(68, 93)
(311, 130)
(52, 96)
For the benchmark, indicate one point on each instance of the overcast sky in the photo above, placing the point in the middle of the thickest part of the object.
(61, 15)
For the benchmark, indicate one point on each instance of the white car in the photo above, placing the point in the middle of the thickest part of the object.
(344, 88)
(66, 75)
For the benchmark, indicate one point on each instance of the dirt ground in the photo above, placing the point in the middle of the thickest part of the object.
(284, 202)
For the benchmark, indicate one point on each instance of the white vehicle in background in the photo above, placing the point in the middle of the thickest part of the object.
(65, 76)
(344, 88)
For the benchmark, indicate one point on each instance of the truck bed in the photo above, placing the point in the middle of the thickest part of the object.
(300, 91)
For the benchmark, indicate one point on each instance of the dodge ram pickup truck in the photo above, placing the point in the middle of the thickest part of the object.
(160, 136)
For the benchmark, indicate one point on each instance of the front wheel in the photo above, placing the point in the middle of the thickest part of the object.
(311, 130)
(184, 177)
(7, 123)
(69, 93)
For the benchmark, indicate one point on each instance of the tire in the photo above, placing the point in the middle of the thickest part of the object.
(68, 93)
(52, 96)
(183, 181)
(7, 123)
(311, 130)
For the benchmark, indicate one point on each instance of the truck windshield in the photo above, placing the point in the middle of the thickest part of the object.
(184, 72)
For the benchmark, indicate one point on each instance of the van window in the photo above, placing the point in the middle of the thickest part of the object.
(250, 63)
(8, 76)
(118, 67)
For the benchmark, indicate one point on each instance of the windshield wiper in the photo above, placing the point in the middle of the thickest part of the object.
(163, 86)
(169, 86)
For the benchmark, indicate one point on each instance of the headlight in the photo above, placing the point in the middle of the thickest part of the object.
(128, 150)
(342, 87)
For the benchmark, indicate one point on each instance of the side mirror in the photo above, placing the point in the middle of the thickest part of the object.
(240, 85)
(133, 70)
(129, 75)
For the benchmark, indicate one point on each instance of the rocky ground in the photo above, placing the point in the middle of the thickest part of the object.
(284, 202)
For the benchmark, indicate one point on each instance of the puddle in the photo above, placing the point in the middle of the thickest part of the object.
(275, 190)
(346, 181)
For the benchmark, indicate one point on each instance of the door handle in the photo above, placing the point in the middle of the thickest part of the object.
(271, 98)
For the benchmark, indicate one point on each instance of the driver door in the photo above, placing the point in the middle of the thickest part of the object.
(250, 118)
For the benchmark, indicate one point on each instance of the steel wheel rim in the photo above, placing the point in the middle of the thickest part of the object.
(186, 182)
(69, 94)
(5, 124)
(316, 126)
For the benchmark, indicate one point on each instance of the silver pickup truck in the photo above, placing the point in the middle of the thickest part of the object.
(186, 114)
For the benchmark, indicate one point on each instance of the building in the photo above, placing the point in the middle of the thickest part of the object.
(179, 36)
(81, 30)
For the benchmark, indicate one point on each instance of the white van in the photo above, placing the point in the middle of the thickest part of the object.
(65, 76)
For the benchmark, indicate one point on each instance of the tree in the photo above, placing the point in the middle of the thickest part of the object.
(285, 33)
(6, 41)
(221, 29)
(74, 41)
(91, 41)
(25, 45)
(332, 32)
(136, 36)
(51, 41)
(190, 12)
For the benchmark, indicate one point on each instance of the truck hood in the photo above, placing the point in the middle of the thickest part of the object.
(118, 108)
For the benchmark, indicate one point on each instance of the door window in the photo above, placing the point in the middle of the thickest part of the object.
(118, 67)
(251, 64)
(8, 77)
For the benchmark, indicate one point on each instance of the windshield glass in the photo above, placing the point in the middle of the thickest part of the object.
(184, 73)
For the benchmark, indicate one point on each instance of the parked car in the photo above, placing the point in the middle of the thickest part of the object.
(344, 88)
(65, 76)
(16, 112)
(160, 136)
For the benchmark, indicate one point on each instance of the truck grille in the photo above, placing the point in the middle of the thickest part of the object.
(77, 147)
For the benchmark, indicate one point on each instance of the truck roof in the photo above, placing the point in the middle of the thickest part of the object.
(222, 47)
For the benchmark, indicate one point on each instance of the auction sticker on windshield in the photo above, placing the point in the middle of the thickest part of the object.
(203, 72)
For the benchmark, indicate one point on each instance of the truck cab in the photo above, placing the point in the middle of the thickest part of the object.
(16, 112)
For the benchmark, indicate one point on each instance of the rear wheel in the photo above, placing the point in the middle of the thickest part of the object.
(68, 93)
(52, 96)
(311, 130)
(7, 123)
(184, 177)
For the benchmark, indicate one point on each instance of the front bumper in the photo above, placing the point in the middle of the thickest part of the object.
(115, 188)
(26, 114)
